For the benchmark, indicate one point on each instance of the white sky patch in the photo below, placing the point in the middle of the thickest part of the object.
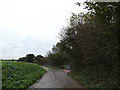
(32, 26)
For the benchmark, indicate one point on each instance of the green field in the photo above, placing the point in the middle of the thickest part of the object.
(20, 74)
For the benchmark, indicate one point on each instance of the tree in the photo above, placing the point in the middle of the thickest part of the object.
(30, 57)
(92, 41)
(22, 59)
(40, 59)
(58, 57)
(106, 20)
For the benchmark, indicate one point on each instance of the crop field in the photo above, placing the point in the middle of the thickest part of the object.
(20, 74)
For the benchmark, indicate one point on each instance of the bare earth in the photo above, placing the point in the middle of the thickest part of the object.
(56, 79)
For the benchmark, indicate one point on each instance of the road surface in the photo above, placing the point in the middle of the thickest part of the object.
(56, 79)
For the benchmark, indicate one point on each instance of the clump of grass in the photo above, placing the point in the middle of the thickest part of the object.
(20, 74)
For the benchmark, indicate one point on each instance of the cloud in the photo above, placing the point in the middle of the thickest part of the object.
(15, 45)
(32, 26)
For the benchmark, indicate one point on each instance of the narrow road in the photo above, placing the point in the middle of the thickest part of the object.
(56, 79)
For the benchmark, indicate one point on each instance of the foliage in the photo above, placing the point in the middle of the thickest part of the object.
(39, 59)
(93, 79)
(27, 58)
(19, 74)
(58, 57)
(22, 59)
(91, 40)
(30, 57)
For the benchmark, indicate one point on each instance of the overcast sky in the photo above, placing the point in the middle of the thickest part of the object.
(32, 26)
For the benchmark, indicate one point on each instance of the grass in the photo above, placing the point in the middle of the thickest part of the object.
(82, 79)
(92, 79)
(20, 74)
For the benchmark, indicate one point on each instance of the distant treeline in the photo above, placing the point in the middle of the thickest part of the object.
(8, 59)
(39, 59)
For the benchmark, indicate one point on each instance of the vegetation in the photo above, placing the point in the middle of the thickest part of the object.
(57, 57)
(19, 74)
(39, 59)
(90, 45)
(30, 57)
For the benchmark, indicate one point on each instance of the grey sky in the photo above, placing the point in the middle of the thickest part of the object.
(32, 26)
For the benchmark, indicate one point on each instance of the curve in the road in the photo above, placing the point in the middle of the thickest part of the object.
(56, 79)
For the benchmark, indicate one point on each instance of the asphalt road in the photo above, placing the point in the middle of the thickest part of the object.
(56, 79)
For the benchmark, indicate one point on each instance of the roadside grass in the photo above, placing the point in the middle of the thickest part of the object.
(91, 79)
(19, 74)
(82, 79)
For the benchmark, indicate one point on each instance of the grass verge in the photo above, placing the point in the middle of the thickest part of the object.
(91, 79)
(19, 74)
